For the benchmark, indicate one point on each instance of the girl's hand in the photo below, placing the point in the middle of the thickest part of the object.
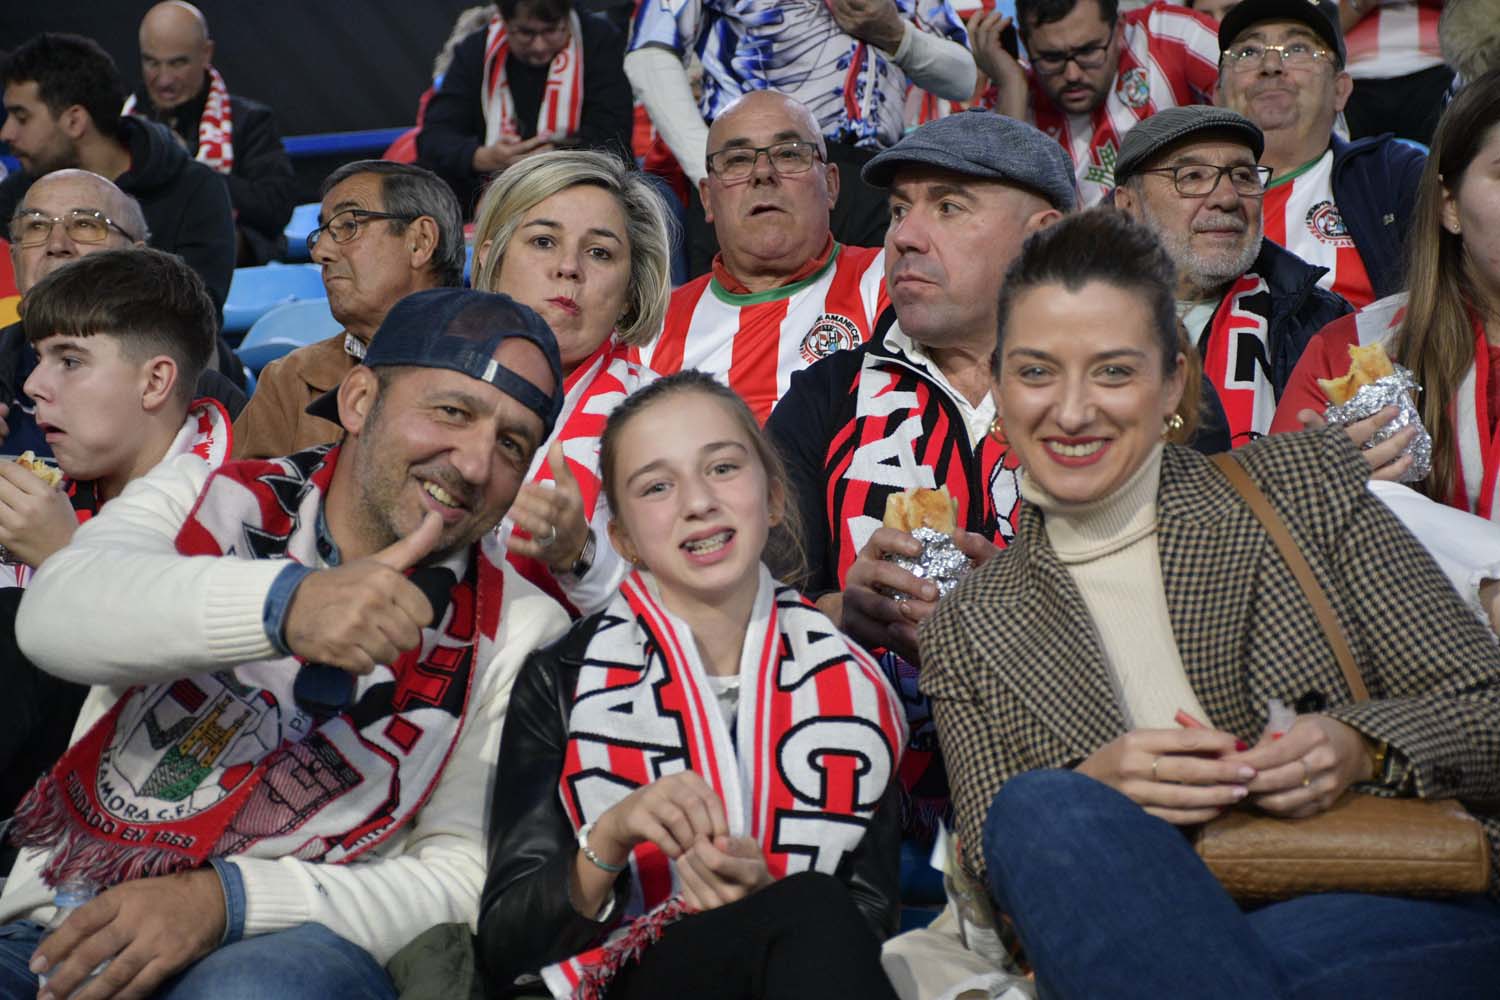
(722, 870)
(674, 813)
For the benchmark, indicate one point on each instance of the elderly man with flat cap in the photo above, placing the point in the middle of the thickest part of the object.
(276, 780)
(1248, 305)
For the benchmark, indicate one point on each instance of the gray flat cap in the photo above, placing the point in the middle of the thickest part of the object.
(981, 143)
(1168, 127)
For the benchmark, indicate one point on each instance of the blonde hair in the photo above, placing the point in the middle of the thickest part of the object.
(529, 182)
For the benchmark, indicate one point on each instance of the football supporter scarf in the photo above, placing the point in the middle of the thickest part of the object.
(815, 743)
(1237, 359)
(207, 432)
(1094, 160)
(562, 98)
(592, 392)
(1477, 486)
(220, 764)
(215, 125)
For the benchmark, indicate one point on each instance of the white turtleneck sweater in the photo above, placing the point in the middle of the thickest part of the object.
(1109, 549)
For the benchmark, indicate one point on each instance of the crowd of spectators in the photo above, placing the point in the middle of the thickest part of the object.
(554, 627)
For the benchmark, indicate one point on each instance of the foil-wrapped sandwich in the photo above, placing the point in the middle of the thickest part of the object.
(46, 473)
(931, 517)
(1371, 384)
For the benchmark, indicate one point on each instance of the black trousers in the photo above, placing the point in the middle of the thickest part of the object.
(860, 215)
(802, 937)
(1406, 105)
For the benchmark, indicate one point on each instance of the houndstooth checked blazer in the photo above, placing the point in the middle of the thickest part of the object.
(1018, 681)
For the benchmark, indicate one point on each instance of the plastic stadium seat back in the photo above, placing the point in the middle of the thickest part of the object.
(284, 329)
(255, 291)
(304, 220)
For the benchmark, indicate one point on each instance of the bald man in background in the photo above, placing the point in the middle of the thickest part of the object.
(234, 135)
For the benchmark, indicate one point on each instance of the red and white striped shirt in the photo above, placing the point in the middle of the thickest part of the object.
(1397, 38)
(1169, 57)
(754, 342)
(1300, 215)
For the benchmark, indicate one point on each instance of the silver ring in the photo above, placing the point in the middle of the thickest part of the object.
(1154, 761)
(546, 543)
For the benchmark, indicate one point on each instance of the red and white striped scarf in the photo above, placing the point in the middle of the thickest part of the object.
(562, 99)
(592, 392)
(814, 746)
(1477, 486)
(215, 125)
(226, 763)
(1237, 359)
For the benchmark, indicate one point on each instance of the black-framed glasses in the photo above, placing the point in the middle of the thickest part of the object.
(33, 227)
(735, 163)
(344, 226)
(1248, 56)
(1198, 180)
(1086, 56)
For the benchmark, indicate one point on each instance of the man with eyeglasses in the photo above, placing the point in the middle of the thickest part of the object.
(847, 61)
(1248, 305)
(385, 230)
(1095, 72)
(539, 76)
(1336, 204)
(782, 292)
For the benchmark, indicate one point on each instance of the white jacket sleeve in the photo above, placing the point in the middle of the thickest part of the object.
(661, 83)
(937, 64)
(1466, 547)
(119, 605)
(435, 872)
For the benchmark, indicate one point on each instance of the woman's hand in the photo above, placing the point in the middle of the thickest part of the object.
(674, 813)
(1179, 775)
(1304, 771)
(1389, 459)
(722, 870)
(540, 510)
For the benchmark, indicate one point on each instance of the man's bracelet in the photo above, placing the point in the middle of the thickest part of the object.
(588, 852)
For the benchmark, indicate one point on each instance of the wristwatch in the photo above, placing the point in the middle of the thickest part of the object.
(585, 560)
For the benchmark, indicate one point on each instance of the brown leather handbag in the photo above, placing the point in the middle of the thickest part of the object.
(1364, 843)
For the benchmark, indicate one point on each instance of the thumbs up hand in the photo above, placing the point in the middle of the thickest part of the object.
(364, 612)
(541, 509)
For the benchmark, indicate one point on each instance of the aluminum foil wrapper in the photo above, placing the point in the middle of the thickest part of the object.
(1394, 390)
(941, 561)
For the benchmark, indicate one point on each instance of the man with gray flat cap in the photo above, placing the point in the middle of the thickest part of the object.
(275, 779)
(1249, 305)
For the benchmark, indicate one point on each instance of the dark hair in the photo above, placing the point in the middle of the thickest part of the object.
(1435, 339)
(151, 301)
(785, 553)
(1030, 13)
(547, 11)
(1100, 244)
(69, 70)
(407, 189)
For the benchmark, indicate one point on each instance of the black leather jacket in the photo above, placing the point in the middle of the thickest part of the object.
(526, 919)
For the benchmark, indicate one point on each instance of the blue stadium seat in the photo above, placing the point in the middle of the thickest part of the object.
(284, 329)
(304, 220)
(255, 291)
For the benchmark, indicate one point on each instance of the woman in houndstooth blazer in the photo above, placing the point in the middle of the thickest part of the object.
(1104, 683)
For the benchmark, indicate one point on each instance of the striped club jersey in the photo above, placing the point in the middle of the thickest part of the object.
(1169, 58)
(1300, 215)
(754, 342)
(1397, 38)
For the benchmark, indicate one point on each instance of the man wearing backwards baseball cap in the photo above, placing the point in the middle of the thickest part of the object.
(1250, 307)
(1336, 204)
(275, 775)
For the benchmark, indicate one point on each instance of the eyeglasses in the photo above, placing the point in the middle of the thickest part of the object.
(1249, 56)
(1198, 180)
(786, 158)
(344, 226)
(1086, 56)
(32, 228)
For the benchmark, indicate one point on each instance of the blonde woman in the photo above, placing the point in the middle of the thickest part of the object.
(583, 240)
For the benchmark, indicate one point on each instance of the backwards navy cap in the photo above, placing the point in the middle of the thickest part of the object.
(460, 329)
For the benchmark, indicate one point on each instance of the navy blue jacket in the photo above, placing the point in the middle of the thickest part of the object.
(1375, 187)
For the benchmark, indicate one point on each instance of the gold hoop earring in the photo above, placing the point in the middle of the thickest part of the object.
(997, 429)
(1172, 425)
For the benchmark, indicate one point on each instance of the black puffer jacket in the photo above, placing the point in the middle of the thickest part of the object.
(526, 919)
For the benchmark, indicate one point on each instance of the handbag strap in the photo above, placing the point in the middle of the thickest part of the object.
(1311, 589)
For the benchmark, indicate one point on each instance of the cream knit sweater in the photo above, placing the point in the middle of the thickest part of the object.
(1109, 549)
